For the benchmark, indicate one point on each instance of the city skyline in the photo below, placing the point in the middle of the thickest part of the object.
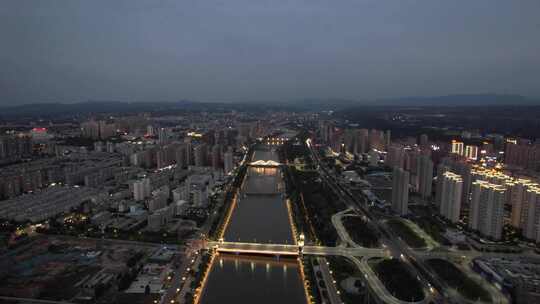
(293, 152)
(200, 206)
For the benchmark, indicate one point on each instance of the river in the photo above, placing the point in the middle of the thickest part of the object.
(260, 216)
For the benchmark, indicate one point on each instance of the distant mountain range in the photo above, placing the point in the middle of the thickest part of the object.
(96, 107)
(439, 101)
(463, 100)
(89, 108)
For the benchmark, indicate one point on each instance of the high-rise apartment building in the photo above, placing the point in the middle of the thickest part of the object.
(451, 188)
(532, 214)
(374, 158)
(471, 152)
(395, 156)
(441, 169)
(387, 138)
(228, 161)
(376, 139)
(517, 198)
(98, 129)
(141, 189)
(462, 168)
(522, 155)
(180, 155)
(163, 136)
(400, 191)
(425, 176)
(362, 141)
(423, 141)
(457, 147)
(216, 155)
(200, 152)
(487, 208)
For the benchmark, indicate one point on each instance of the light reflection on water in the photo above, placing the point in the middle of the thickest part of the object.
(246, 279)
(242, 279)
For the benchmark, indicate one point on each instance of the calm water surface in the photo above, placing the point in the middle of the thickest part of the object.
(244, 279)
(261, 216)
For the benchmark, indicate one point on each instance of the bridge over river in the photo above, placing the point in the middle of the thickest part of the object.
(292, 250)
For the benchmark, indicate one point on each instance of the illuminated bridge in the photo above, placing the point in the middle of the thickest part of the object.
(291, 250)
(254, 248)
(265, 163)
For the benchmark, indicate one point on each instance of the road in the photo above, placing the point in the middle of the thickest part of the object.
(333, 293)
(180, 274)
(29, 300)
(376, 286)
(342, 232)
(398, 248)
(115, 241)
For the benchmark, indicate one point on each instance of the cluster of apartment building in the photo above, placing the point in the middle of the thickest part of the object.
(13, 147)
(480, 196)
(137, 172)
(522, 153)
(46, 203)
(89, 170)
(467, 189)
(355, 141)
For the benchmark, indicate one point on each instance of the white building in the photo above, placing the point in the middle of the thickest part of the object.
(200, 153)
(216, 157)
(487, 208)
(141, 189)
(198, 186)
(159, 198)
(517, 195)
(395, 156)
(180, 193)
(457, 147)
(451, 192)
(400, 191)
(181, 156)
(424, 170)
(532, 214)
(471, 152)
(228, 162)
(160, 218)
(373, 158)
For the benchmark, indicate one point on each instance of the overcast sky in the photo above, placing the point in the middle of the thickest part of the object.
(243, 50)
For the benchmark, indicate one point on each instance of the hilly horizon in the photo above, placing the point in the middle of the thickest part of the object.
(439, 100)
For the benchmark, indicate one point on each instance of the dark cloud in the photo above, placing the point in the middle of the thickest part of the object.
(71, 50)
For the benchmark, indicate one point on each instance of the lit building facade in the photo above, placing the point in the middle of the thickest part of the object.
(487, 208)
(451, 194)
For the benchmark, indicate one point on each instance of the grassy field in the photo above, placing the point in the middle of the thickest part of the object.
(406, 234)
(398, 280)
(433, 228)
(360, 232)
(455, 278)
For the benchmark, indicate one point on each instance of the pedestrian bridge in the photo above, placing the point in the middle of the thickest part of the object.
(291, 250)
